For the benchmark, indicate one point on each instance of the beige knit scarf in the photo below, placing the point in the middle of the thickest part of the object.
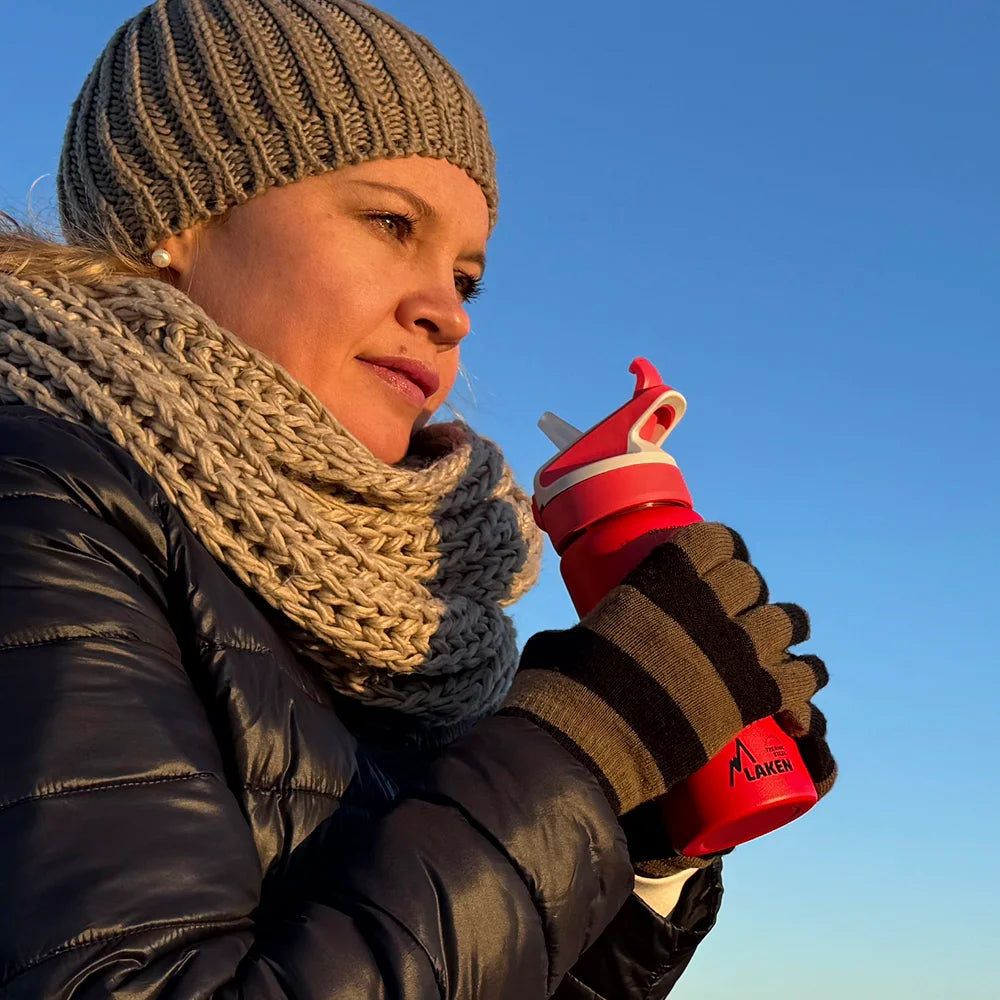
(394, 576)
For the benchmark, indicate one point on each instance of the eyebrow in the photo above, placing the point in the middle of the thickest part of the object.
(424, 210)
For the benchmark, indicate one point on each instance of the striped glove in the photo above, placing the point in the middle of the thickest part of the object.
(670, 667)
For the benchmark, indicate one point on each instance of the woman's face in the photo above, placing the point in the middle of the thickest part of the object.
(355, 282)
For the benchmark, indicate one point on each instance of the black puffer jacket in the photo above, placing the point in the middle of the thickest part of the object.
(185, 813)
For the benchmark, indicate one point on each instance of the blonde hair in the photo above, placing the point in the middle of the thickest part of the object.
(28, 251)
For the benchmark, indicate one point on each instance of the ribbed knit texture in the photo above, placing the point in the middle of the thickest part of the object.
(395, 576)
(196, 106)
(671, 666)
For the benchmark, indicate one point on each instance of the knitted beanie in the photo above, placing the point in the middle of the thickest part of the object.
(196, 106)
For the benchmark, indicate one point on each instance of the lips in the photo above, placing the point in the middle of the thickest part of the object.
(411, 378)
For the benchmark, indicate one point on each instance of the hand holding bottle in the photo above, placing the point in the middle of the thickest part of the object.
(670, 667)
(719, 656)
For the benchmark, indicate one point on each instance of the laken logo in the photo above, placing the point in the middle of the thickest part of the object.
(745, 763)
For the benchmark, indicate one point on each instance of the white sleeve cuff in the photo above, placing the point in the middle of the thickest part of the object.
(661, 894)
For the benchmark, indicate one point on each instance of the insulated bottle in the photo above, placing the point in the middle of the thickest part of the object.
(605, 500)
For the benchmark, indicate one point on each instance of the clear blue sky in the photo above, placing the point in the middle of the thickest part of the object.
(791, 208)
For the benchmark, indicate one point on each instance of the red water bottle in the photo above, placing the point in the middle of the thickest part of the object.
(606, 500)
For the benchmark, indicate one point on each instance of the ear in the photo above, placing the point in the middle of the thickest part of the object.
(183, 250)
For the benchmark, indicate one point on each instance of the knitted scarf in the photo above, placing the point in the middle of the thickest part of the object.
(394, 577)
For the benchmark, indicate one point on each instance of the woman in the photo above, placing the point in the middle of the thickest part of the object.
(262, 735)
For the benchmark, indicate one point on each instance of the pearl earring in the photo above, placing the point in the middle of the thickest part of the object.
(160, 258)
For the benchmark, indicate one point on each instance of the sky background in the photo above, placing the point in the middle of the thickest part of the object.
(791, 209)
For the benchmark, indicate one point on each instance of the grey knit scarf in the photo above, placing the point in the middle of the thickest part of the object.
(394, 577)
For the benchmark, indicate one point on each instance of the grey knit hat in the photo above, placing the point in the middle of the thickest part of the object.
(199, 105)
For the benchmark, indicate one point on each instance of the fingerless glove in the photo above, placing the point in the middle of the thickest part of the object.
(671, 666)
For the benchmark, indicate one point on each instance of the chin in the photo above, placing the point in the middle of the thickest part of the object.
(389, 447)
(385, 433)
(394, 456)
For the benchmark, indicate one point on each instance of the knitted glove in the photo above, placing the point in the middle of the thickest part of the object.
(806, 724)
(671, 666)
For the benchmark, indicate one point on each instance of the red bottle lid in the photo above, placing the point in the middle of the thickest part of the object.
(616, 465)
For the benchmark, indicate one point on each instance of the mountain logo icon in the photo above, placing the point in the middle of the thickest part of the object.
(738, 762)
(744, 763)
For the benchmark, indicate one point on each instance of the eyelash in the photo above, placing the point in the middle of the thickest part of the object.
(406, 224)
(400, 227)
(468, 286)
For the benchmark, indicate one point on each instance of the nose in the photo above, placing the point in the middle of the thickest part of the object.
(435, 312)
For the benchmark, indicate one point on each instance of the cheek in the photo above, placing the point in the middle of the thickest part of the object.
(299, 307)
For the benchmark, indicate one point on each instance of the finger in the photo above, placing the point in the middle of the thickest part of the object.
(819, 762)
(806, 724)
(795, 720)
(798, 679)
(773, 628)
(708, 543)
(800, 622)
(738, 585)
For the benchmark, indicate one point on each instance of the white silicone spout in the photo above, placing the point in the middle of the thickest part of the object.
(560, 432)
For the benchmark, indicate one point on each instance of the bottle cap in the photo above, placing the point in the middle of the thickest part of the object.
(617, 464)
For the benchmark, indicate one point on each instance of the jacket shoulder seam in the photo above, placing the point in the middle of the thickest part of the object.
(34, 495)
(93, 937)
(240, 646)
(89, 633)
(257, 789)
(101, 786)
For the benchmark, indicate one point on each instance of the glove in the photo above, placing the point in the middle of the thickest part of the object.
(673, 664)
(806, 725)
